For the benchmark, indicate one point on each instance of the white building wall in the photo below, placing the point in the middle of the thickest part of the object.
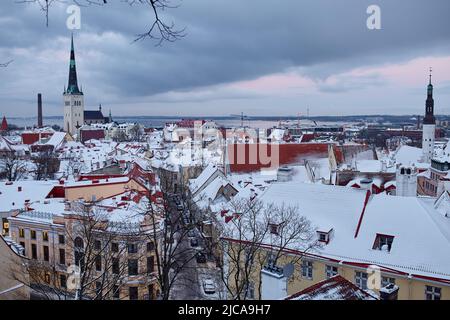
(428, 141)
(73, 112)
(273, 286)
(406, 181)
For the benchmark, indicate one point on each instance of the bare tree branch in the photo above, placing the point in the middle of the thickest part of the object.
(160, 30)
(4, 65)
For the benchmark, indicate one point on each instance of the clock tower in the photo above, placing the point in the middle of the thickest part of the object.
(429, 126)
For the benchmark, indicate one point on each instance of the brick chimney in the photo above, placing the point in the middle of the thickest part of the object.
(40, 122)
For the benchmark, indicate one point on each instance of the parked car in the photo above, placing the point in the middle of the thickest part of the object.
(200, 257)
(208, 286)
(194, 242)
(180, 207)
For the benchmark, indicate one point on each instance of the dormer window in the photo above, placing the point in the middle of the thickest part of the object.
(273, 228)
(383, 242)
(324, 236)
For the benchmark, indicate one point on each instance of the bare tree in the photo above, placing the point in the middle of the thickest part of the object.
(47, 164)
(119, 136)
(255, 236)
(13, 167)
(72, 166)
(173, 253)
(100, 256)
(159, 29)
(136, 132)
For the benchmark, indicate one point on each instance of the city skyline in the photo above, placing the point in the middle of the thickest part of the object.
(338, 67)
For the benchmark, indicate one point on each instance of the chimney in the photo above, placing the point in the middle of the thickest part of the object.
(40, 124)
(390, 292)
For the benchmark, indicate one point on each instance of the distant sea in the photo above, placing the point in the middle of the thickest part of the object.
(154, 122)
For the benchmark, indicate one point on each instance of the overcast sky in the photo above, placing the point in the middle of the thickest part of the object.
(257, 56)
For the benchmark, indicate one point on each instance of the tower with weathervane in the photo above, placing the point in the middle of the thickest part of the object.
(429, 126)
(73, 99)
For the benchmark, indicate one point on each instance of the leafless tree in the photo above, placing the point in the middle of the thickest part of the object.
(136, 133)
(159, 29)
(47, 164)
(106, 252)
(99, 257)
(72, 166)
(119, 136)
(13, 167)
(174, 254)
(256, 236)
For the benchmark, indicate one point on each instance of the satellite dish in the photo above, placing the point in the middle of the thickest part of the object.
(288, 270)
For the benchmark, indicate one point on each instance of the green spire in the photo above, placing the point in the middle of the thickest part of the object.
(72, 88)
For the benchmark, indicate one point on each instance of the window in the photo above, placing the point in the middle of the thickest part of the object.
(33, 251)
(22, 233)
(33, 234)
(132, 248)
(432, 293)
(133, 292)
(61, 239)
(307, 269)
(361, 280)
(132, 267)
(97, 245)
(116, 292)
(114, 247)
(115, 266)
(63, 281)
(62, 256)
(150, 264)
(150, 246)
(98, 263)
(46, 256)
(44, 235)
(383, 242)
(385, 281)
(331, 271)
(273, 228)
(322, 236)
(47, 278)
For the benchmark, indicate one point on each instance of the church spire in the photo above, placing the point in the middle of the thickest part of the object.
(73, 82)
(429, 104)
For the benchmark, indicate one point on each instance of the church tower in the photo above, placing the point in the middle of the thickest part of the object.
(73, 99)
(429, 126)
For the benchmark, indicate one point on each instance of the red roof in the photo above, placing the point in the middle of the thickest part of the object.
(335, 288)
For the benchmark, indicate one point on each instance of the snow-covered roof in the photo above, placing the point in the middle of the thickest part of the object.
(334, 288)
(11, 198)
(421, 234)
(57, 139)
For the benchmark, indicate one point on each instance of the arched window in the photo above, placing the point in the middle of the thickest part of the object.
(79, 244)
(402, 171)
(79, 255)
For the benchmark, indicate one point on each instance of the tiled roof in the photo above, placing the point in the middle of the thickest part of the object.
(335, 288)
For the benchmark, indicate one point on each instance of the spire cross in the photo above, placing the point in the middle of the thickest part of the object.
(431, 73)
